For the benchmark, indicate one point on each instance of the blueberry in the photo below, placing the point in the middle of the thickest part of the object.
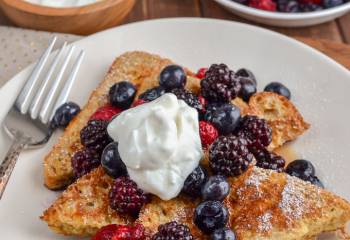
(210, 215)
(224, 117)
(248, 88)
(310, 7)
(289, 6)
(194, 182)
(278, 88)
(122, 94)
(301, 168)
(172, 76)
(246, 74)
(111, 161)
(332, 3)
(315, 181)
(64, 114)
(152, 94)
(216, 188)
(223, 234)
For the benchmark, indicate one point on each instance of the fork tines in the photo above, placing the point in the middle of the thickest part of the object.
(45, 90)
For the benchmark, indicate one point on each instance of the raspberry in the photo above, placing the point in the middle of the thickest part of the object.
(105, 113)
(120, 232)
(173, 230)
(208, 133)
(94, 135)
(125, 197)
(84, 161)
(229, 156)
(267, 5)
(269, 160)
(189, 98)
(138, 102)
(317, 2)
(257, 132)
(220, 84)
(201, 73)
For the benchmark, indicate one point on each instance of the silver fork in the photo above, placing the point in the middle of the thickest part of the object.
(27, 123)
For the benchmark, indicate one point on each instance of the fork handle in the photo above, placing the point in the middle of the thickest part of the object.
(10, 161)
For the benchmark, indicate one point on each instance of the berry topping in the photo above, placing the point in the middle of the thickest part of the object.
(224, 117)
(301, 168)
(152, 94)
(105, 113)
(223, 234)
(125, 197)
(84, 161)
(122, 94)
(210, 215)
(194, 182)
(289, 6)
(229, 156)
(189, 98)
(208, 133)
(246, 74)
(172, 76)
(64, 114)
(220, 84)
(203, 102)
(269, 160)
(111, 161)
(257, 132)
(278, 88)
(310, 7)
(332, 3)
(138, 102)
(173, 230)
(120, 232)
(216, 188)
(267, 5)
(248, 88)
(94, 135)
(201, 73)
(315, 181)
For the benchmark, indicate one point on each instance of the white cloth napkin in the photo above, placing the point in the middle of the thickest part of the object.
(20, 47)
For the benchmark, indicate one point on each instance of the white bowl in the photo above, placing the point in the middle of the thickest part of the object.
(285, 19)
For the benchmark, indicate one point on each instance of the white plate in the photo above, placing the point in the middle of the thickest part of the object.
(318, 84)
(285, 19)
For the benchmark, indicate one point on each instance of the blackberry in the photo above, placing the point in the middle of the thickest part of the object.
(152, 94)
(94, 135)
(229, 156)
(194, 182)
(269, 160)
(84, 161)
(125, 197)
(310, 7)
(257, 132)
(220, 84)
(173, 230)
(189, 98)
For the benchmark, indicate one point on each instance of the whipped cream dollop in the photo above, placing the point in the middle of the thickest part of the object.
(63, 3)
(159, 143)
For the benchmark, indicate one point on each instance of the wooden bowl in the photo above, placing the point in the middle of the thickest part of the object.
(77, 20)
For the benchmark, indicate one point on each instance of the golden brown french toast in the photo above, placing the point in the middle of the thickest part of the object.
(282, 116)
(83, 207)
(263, 204)
(142, 69)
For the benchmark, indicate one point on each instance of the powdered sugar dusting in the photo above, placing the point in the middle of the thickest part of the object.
(264, 224)
(292, 203)
(254, 180)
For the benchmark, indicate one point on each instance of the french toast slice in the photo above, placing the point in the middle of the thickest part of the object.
(83, 207)
(140, 68)
(293, 210)
(282, 116)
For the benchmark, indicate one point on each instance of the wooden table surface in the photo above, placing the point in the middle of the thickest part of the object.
(328, 37)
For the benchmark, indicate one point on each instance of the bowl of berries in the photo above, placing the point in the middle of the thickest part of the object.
(288, 13)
